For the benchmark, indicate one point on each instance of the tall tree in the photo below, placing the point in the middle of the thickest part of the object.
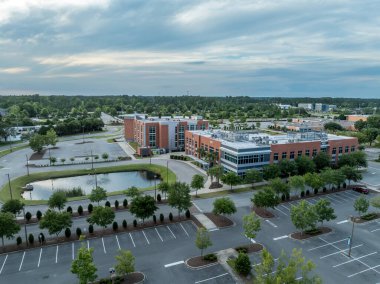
(231, 179)
(297, 183)
(83, 266)
(179, 196)
(287, 168)
(224, 206)
(265, 198)
(279, 186)
(57, 200)
(322, 160)
(253, 176)
(55, 221)
(202, 239)
(303, 216)
(313, 180)
(351, 174)
(8, 226)
(13, 206)
(324, 210)
(327, 176)
(132, 192)
(304, 165)
(101, 216)
(197, 182)
(143, 207)
(361, 205)
(217, 172)
(271, 171)
(98, 194)
(163, 187)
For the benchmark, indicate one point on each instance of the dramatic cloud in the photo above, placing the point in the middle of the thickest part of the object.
(220, 47)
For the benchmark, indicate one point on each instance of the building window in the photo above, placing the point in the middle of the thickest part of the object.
(314, 152)
(352, 148)
(307, 152)
(299, 154)
(152, 136)
(292, 155)
(275, 156)
(340, 150)
(346, 149)
(334, 151)
(284, 155)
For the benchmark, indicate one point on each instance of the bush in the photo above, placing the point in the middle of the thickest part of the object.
(39, 215)
(154, 219)
(115, 226)
(313, 231)
(31, 239)
(187, 214)
(283, 197)
(19, 240)
(307, 192)
(210, 257)
(78, 232)
(90, 208)
(68, 233)
(125, 203)
(369, 216)
(69, 210)
(159, 197)
(287, 196)
(333, 188)
(344, 185)
(134, 223)
(116, 204)
(107, 204)
(170, 216)
(162, 218)
(91, 229)
(124, 224)
(324, 189)
(41, 238)
(28, 216)
(338, 186)
(242, 249)
(315, 190)
(80, 210)
(302, 193)
(243, 264)
(76, 191)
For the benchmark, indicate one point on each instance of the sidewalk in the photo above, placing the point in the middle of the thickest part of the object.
(127, 149)
(205, 221)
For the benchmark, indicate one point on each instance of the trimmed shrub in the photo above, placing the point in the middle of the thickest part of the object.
(116, 204)
(187, 214)
(315, 190)
(41, 238)
(170, 216)
(287, 196)
(283, 197)
(91, 229)
(80, 210)
(68, 233)
(78, 232)
(338, 186)
(344, 185)
(115, 226)
(69, 210)
(324, 189)
(242, 249)
(108, 204)
(19, 240)
(162, 218)
(333, 188)
(90, 208)
(369, 216)
(125, 203)
(210, 257)
(28, 216)
(307, 192)
(31, 239)
(124, 224)
(39, 215)
(159, 197)
(154, 219)
(134, 223)
(302, 193)
(243, 264)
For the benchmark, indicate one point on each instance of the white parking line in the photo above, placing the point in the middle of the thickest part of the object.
(281, 211)
(340, 251)
(171, 231)
(2, 267)
(72, 249)
(184, 230)
(56, 255)
(342, 222)
(88, 245)
(159, 235)
(321, 246)
(117, 240)
(145, 237)
(196, 206)
(309, 202)
(270, 223)
(375, 230)
(39, 258)
(333, 199)
(370, 268)
(279, 238)
(355, 258)
(221, 275)
(340, 197)
(173, 264)
(285, 207)
(132, 240)
(104, 247)
(22, 260)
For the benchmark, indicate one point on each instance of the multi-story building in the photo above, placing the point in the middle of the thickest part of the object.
(321, 107)
(306, 106)
(161, 132)
(239, 152)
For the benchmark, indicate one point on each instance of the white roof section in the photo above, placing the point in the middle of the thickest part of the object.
(146, 118)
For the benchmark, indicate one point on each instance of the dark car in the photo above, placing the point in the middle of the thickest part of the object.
(360, 189)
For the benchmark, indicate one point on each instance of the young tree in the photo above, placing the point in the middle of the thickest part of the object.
(287, 168)
(251, 225)
(125, 263)
(231, 179)
(375, 202)
(271, 171)
(253, 176)
(278, 186)
(57, 200)
(132, 192)
(217, 172)
(8, 226)
(324, 210)
(202, 240)
(265, 198)
(101, 216)
(163, 187)
(37, 142)
(13, 206)
(98, 194)
(179, 196)
(361, 205)
(143, 207)
(51, 137)
(322, 160)
(55, 221)
(243, 264)
(327, 176)
(297, 183)
(197, 183)
(339, 177)
(83, 266)
(351, 174)
(303, 216)
(313, 180)
(224, 206)
(304, 165)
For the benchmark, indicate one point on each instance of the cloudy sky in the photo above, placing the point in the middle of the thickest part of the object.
(212, 48)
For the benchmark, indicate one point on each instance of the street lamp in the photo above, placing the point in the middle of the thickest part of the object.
(26, 235)
(27, 164)
(83, 132)
(155, 187)
(10, 188)
(351, 237)
(49, 157)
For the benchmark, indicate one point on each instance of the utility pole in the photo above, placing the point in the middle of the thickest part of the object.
(352, 235)
(10, 188)
(83, 133)
(26, 235)
(155, 187)
(92, 161)
(49, 157)
(27, 164)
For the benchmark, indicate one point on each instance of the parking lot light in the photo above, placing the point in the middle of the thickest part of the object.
(352, 235)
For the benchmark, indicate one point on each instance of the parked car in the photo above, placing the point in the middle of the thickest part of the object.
(360, 189)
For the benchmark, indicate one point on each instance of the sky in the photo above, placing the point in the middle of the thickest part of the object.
(259, 48)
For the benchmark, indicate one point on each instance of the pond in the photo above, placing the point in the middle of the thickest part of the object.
(110, 182)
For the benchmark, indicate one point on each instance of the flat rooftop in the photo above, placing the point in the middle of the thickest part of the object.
(144, 117)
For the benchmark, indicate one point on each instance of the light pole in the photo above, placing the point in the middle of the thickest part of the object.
(27, 164)
(10, 188)
(155, 187)
(92, 161)
(167, 172)
(83, 132)
(352, 235)
(49, 157)
(26, 235)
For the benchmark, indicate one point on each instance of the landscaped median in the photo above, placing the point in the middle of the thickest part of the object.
(18, 183)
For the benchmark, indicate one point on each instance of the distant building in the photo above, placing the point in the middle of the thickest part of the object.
(356, 117)
(332, 107)
(161, 132)
(306, 106)
(239, 152)
(321, 107)
(285, 107)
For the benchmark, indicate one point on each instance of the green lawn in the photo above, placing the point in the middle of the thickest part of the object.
(20, 182)
(8, 151)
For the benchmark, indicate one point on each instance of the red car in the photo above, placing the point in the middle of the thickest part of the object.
(360, 189)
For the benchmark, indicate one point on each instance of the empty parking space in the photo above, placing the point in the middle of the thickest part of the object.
(48, 255)
(30, 260)
(12, 263)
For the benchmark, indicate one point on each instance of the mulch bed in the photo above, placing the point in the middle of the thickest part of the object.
(85, 142)
(252, 247)
(263, 213)
(134, 277)
(215, 184)
(219, 220)
(37, 156)
(359, 220)
(303, 236)
(198, 261)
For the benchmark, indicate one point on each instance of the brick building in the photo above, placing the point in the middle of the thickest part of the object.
(161, 132)
(239, 152)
